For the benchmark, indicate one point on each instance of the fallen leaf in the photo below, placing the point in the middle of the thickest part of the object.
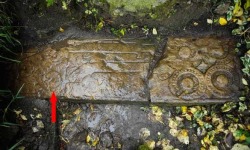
(64, 5)
(39, 124)
(242, 106)
(242, 138)
(144, 133)
(150, 144)
(172, 123)
(184, 109)
(154, 31)
(88, 138)
(64, 123)
(174, 132)
(21, 148)
(212, 147)
(34, 129)
(23, 117)
(39, 116)
(183, 136)
(61, 29)
(239, 146)
(209, 21)
(18, 112)
(193, 110)
(222, 21)
(244, 81)
(77, 111)
(32, 116)
(157, 112)
(228, 106)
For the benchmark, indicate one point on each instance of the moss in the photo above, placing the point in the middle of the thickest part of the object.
(141, 7)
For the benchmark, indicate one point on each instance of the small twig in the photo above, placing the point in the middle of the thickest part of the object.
(243, 33)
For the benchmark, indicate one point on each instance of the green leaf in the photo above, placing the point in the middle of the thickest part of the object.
(248, 140)
(242, 106)
(50, 2)
(228, 106)
(64, 5)
(247, 4)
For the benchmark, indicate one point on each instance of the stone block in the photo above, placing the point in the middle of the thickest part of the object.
(196, 70)
(93, 69)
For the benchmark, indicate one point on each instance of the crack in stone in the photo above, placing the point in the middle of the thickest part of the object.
(159, 52)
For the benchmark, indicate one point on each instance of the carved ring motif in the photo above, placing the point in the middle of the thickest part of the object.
(187, 84)
(220, 81)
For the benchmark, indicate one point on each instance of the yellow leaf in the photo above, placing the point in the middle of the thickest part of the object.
(200, 122)
(183, 136)
(184, 109)
(222, 21)
(64, 5)
(193, 110)
(238, 12)
(64, 124)
(23, 117)
(248, 126)
(203, 148)
(172, 123)
(236, 7)
(18, 112)
(247, 4)
(61, 29)
(77, 111)
(188, 117)
(88, 138)
(157, 112)
(95, 142)
(242, 137)
(150, 144)
(212, 147)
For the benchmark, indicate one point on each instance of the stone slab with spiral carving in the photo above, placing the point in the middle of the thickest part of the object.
(196, 70)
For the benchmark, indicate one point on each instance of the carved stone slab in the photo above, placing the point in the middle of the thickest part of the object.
(98, 69)
(196, 70)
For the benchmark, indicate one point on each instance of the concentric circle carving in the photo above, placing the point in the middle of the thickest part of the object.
(220, 80)
(187, 84)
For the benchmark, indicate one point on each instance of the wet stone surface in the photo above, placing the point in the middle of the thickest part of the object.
(89, 69)
(196, 70)
(112, 126)
(192, 70)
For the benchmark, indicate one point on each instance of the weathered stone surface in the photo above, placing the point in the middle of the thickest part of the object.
(98, 69)
(196, 70)
(192, 70)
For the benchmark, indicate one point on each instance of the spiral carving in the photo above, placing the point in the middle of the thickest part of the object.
(187, 83)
